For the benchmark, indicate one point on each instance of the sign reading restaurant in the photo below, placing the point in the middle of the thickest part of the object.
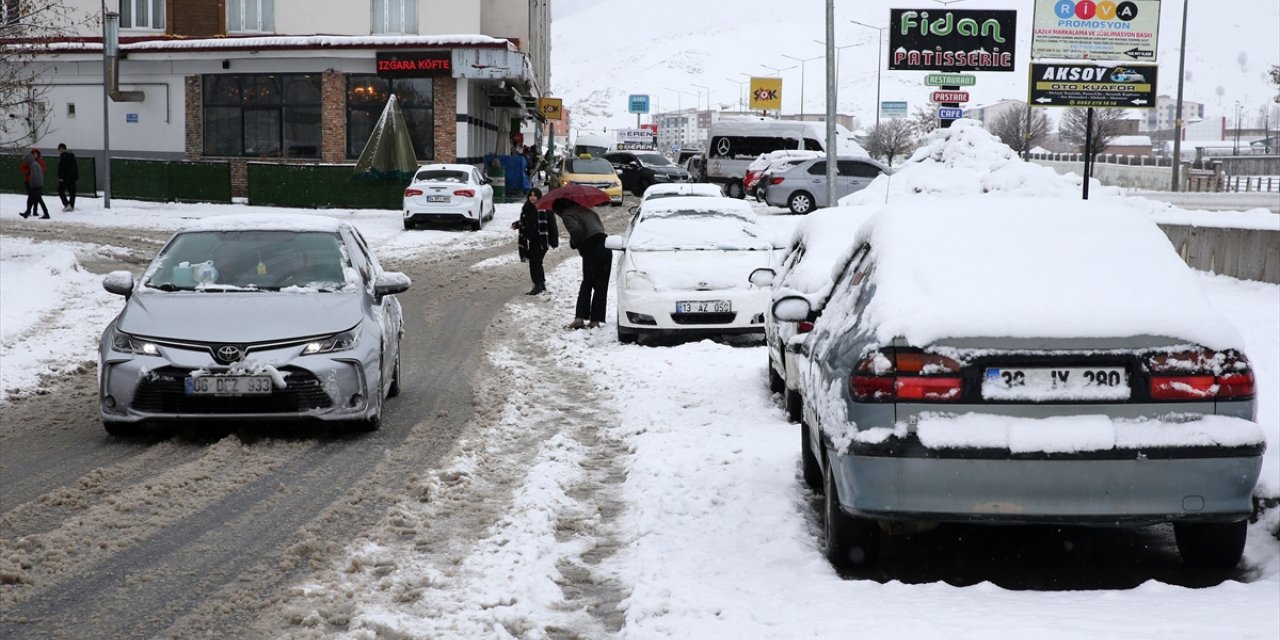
(947, 40)
(414, 64)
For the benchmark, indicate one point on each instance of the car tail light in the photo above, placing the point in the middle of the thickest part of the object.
(409, 193)
(777, 180)
(465, 193)
(906, 375)
(1200, 375)
(804, 326)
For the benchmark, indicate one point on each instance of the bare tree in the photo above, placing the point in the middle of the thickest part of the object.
(1275, 79)
(1013, 129)
(27, 30)
(1106, 127)
(891, 139)
(925, 118)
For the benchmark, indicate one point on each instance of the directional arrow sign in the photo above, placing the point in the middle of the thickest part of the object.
(1082, 84)
(1141, 54)
(949, 96)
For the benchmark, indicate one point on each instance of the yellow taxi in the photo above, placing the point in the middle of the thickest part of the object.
(589, 171)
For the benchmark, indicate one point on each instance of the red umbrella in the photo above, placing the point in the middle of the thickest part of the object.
(579, 193)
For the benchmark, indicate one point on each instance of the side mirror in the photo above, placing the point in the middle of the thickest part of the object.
(792, 309)
(614, 243)
(119, 283)
(762, 277)
(633, 209)
(390, 283)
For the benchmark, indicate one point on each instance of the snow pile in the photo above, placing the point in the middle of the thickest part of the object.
(968, 160)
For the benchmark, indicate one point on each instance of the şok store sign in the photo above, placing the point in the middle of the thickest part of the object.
(952, 40)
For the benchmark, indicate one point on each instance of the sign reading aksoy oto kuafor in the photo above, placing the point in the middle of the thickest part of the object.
(766, 93)
(1083, 84)
(1105, 30)
(947, 40)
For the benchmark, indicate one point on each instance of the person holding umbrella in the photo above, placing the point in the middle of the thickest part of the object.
(586, 234)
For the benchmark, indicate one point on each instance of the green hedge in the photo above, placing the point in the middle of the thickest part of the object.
(311, 186)
(170, 181)
(11, 175)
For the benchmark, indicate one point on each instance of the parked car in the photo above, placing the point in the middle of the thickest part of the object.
(640, 170)
(448, 193)
(262, 317)
(757, 168)
(773, 168)
(684, 268)
(803, 187)
(677, 189)
(589, 171)
(693, 166)
(820, 242)
(1024, 360)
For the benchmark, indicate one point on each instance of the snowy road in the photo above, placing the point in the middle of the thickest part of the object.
(530, 483)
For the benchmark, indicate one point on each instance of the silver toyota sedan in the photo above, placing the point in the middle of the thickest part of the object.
(263, 317)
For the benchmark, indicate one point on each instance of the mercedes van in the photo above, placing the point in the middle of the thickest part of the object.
(733, 143)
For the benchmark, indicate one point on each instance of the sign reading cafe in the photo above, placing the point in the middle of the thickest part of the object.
(946, 40)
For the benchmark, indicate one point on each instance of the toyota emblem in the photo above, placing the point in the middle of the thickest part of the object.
(229, 353)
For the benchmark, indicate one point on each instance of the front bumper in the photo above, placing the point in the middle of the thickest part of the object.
(653, 312)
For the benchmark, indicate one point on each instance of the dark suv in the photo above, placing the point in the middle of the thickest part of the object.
(642, 169)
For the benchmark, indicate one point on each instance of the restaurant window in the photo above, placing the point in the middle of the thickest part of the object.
(251, 15)
(366, 98)
(395, 16)
(142, 14)
(263, 115)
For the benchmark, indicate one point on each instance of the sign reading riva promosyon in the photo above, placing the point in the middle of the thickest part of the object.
(945, 40)
(1097, 30)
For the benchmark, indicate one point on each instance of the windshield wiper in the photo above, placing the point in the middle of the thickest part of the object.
(169, 286)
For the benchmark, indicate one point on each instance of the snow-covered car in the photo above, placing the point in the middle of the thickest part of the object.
(671, 190)
(762, 164)
(1024, 360)
(448, 193)
(803, 186)
(262, 317)
(820, 242)
(685, 266)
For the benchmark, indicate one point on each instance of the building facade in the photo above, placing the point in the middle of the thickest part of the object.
(253, 80)
(1163, 115)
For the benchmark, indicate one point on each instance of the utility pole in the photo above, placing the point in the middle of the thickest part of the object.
(801, 61)
(1177, 117)
(832, 151)
(107, 52)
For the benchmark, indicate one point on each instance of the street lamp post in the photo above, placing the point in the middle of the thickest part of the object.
(802, 61)
(1177, 117)
(839, 49)
(740, 84)
(777, 72)
(1236, 150)
(879, 53)
(708, 90)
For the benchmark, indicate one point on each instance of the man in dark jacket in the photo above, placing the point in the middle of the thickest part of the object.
(68, 175)
(586, 234)
(32, 169)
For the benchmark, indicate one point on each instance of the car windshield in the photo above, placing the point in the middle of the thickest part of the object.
(593, 166)
(250, 260)
(440, 175)
(654, 159)
(697, 230)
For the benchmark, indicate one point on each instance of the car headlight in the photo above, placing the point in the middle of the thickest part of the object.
(344, 341)
(638, 281)
(125, 343)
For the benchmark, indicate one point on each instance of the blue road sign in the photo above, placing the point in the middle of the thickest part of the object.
(950, 113)
(639, 103)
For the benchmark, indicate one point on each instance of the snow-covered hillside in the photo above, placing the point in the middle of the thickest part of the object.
(603, 50)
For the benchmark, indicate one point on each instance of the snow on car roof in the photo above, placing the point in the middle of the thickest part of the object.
(700, 189)
(1031, 268)
(446, 167)
(267, 222)
(828, 237)
(698, 222)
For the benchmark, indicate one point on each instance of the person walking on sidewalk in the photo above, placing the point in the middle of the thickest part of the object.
(68, 175)
(32, 169)
(538, 234)
(586, 234)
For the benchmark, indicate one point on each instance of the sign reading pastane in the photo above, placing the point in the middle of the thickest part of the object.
(946, 40)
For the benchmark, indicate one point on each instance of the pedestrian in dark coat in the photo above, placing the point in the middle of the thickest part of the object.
(587, 234)
(32, 168)
(68, 176)
(538, 234)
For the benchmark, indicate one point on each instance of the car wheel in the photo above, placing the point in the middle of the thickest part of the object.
(394, 389)
(1211, 544)
(776, 383)
(408, 224)
(627, 337)
(850, 542)
(800, 203)
(794, 405)
(734, 190)
(493, 210)
(808, 462)
(122, 429)
(477, 224)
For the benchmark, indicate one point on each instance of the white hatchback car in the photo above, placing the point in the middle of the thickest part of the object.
(685, 266)
(448, 193)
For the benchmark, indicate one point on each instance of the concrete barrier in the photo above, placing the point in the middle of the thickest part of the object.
(1117, 175)
(1248, 254)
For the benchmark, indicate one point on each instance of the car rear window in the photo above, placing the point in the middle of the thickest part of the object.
(439, 175)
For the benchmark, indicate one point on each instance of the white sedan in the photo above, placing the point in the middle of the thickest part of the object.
(448, 193)
(685, 267)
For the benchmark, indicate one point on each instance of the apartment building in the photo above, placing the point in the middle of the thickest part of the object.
(296, 80)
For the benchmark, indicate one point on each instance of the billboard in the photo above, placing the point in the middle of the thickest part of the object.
(638, 103)
(766, 93)
(1105, 30)
(952, 40)
(636, 140)
(551, 108)
(893, 109)
(1084, 84)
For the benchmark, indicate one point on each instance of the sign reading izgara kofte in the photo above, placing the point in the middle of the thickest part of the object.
(925, 40)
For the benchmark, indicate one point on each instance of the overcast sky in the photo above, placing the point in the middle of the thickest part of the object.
(562, 8)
